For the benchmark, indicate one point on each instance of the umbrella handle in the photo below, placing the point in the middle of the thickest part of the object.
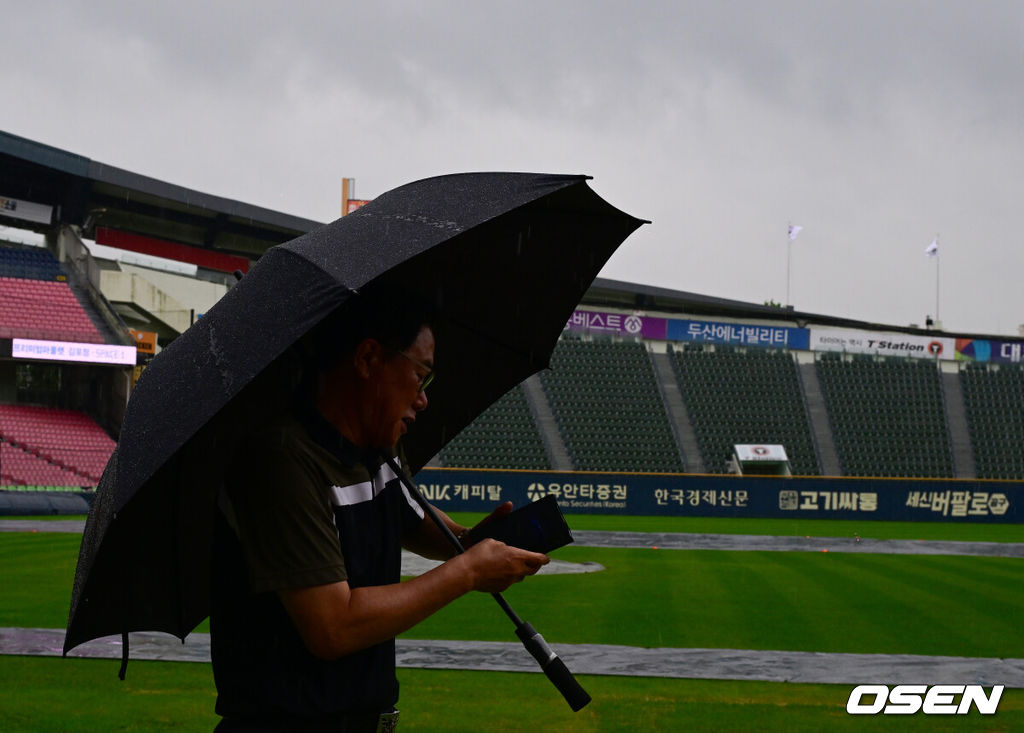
(550, 663)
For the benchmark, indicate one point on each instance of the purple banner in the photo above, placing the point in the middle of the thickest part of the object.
(622, 324)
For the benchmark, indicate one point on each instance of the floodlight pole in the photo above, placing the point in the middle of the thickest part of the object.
(549, 662)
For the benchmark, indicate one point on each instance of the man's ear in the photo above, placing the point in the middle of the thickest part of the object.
(369, 352)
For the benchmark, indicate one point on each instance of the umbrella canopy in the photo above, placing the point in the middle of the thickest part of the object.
(505, 256)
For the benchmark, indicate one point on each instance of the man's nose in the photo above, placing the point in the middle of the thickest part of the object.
(421, 401)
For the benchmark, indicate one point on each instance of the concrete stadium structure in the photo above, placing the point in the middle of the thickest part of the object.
(679, 377)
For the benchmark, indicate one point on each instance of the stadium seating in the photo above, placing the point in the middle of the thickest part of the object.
(608, 408)
(504, 436)
(742, 396)
(19, 467)
(51, 447)
(43, 310)
(32, 264)
(994, 398)
(887, 415)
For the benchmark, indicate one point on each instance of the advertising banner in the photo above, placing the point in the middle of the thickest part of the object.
(26, 210)
(717, 332)
(477, 490)
(145, 341)
(620, 324)
(72, 352)
(996, 352)
(884, 344)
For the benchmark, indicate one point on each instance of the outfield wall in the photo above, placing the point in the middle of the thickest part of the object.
(578, 492)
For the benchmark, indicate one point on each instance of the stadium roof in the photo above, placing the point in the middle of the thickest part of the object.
(90, 194)
(87, 193)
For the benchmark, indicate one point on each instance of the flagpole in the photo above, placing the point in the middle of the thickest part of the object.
(791, 231)
(789, 257)
(932, 250)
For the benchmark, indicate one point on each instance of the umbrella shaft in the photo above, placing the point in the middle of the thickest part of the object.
(446, 531)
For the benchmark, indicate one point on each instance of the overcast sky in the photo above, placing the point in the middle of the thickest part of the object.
(873, 125)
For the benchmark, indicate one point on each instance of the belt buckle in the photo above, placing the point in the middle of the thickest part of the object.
(387, 722)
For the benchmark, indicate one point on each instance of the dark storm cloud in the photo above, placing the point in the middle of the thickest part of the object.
(831, 58)
(875, 124)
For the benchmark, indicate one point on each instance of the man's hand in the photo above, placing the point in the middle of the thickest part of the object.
(493, 566)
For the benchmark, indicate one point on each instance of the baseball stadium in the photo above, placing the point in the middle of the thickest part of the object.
(775, 514)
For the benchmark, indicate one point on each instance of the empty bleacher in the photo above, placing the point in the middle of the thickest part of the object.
(43, 310)
(608, 408)
(504, 436)
(994, 399)
(887, 415)
(744, 396)
(36, 300)
(30, 264)
(51, 447)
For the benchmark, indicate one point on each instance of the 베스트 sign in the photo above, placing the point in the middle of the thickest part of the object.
(478, 490)
(619, 324)
(680, 329)
(885, 344)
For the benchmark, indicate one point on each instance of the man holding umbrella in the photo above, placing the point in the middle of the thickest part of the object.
(306, 598)
(301, 589)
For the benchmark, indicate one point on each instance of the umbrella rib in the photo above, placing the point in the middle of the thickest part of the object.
(485, 336)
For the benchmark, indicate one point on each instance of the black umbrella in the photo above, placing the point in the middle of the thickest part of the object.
(505, 256)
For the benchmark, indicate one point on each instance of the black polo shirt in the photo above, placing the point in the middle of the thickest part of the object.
(302, 508)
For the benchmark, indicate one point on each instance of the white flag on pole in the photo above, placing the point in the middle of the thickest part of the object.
(794, 230)
(932, 250)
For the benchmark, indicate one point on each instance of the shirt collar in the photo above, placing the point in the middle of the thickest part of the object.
(327, 437)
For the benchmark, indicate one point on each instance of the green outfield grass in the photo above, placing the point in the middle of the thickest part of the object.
(961, 606)
(44, 695)
(825, 602)
(795, 601)
(876, 529)
(956, 531)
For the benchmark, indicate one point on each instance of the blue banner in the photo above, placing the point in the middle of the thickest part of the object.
(998, 352)
(478, 490)
(745, 334)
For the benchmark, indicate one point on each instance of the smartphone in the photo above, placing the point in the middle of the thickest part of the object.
(538, 527)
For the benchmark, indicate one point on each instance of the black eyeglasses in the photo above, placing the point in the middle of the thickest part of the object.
(425, 379)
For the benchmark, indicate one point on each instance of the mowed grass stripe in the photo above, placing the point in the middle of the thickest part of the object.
(890, 615)
(824, 602)
(819, 602)
(896, 616)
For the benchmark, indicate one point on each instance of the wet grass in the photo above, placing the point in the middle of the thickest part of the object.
(953, 531)
(43, 695)
(961, 606)
(825, 602)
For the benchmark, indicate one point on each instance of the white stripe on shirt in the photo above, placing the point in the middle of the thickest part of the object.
(368, 490)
